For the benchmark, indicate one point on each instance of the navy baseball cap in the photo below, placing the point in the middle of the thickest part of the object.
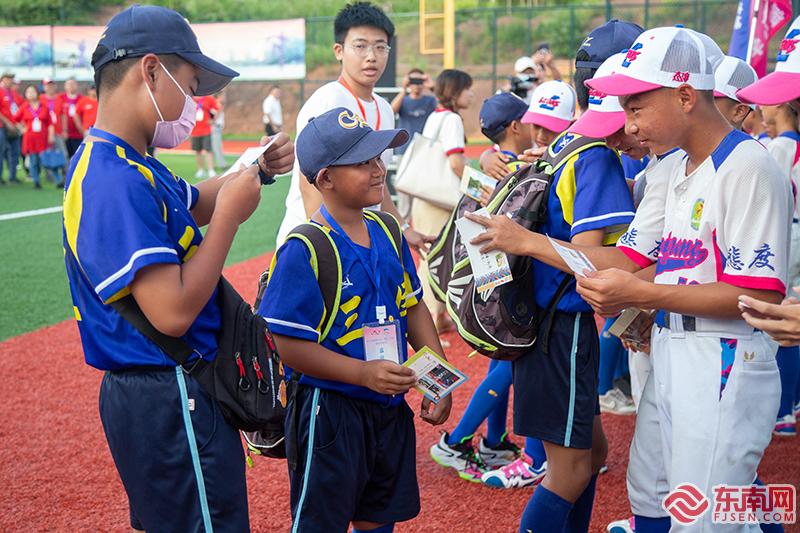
(141, 30)
(606, 40)
(340, 137)
(500, 110)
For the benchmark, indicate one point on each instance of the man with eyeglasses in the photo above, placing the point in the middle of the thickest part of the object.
(362, 33)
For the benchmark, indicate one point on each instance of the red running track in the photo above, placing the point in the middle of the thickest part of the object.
(56, 472)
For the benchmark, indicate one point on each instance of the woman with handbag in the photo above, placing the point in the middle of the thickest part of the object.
(454, 93)
(38, 134)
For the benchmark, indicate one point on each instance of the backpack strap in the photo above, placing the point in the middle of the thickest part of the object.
(390, 225)
(570, 145)
(327, 267)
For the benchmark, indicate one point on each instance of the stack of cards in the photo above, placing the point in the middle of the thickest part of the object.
(633, 326)
(436, 377)
(248, 157)
(489, 270)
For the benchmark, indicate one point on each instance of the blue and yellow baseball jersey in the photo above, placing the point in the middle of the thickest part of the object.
(293, 304)
(589, 192)
(123, 212)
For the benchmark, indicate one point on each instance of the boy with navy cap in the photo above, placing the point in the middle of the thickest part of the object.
(131, 227)
(355, 435)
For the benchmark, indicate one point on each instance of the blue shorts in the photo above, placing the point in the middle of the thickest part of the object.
(555, 393)
(181, 463)
(359, 466)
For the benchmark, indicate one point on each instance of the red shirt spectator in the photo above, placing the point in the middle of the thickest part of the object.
(207, 107)
(87, 112)
(37, 127)
(67, 109)
(10, 102)
(51, 103)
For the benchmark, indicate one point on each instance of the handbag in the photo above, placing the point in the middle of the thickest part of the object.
(245, 378)
(53, 158)
(425, 172)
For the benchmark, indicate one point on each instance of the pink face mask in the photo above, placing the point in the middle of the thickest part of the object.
(171, 133)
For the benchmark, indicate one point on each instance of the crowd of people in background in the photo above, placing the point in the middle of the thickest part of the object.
(42, 128)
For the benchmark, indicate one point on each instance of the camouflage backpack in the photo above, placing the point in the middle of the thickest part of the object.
(502, 323)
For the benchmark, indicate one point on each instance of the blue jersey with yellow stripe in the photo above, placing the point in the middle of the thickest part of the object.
(123, 212)
(293, 305)
(589, 192)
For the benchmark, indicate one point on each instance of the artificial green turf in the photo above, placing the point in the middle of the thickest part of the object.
(33, 283)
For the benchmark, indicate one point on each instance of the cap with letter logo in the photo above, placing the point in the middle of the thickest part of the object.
(663, 57)
(340, 137)
(783, 85)
(141, 30)
(552, 106)
(605, 115)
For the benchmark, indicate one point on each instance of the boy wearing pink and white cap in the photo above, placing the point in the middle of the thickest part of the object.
(725, 233)
(783, 85)
(551, 111)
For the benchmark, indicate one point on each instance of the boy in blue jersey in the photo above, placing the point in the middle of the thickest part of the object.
(131, 227)
(555, 386)
(355, 437)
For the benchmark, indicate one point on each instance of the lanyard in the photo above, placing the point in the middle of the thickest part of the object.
(360, 106)
(509, 154)
(372, 269)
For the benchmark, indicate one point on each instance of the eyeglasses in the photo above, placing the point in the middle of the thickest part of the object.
(363, 49)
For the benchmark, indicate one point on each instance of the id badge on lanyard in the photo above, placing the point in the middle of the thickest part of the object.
(199, 115)
(382, 339)
(71, 111)
(36, 125)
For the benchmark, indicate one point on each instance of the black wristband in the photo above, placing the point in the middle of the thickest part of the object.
(265, 178)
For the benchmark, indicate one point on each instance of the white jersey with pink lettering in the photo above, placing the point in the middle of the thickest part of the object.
(715, 387)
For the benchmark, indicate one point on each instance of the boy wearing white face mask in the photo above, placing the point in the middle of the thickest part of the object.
(132, 227)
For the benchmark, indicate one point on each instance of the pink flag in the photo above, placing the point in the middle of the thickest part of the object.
(772, 15)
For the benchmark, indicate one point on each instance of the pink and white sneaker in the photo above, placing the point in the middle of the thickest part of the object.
(517, 474)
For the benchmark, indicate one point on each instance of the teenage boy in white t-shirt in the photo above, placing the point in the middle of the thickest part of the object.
(362, 33)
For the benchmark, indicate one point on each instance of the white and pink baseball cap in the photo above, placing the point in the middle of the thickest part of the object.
(731, 75)
(783, 85)
(663, 57)
(552, 106)
(604, 115)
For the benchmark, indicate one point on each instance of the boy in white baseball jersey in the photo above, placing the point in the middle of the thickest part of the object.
(362, 32)
(726, 233)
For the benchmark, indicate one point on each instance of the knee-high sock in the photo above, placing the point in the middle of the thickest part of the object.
(386, 528)
(581, 514)
(486, 398)
(644, 524)
(546, 512)
(789, 367)
(610, 352)
(535, 450)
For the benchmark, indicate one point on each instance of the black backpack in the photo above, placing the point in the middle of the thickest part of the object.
(245, 378)
(502, 323)
(328, 270)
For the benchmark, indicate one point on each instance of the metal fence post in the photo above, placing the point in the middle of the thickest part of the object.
(530, 31)
(646, 13)
(494, 51)
(608, 9)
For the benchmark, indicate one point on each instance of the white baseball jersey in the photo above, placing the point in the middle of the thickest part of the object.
(327, 97)
(715, 386)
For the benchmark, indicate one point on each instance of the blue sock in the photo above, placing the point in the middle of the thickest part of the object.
(546, 512)
(496, 421)
(768, 528)
(484, 400)
(789, 368)
(386, 528)
(535, 450)
(581, 514)
(610, 351)
(644, 524)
